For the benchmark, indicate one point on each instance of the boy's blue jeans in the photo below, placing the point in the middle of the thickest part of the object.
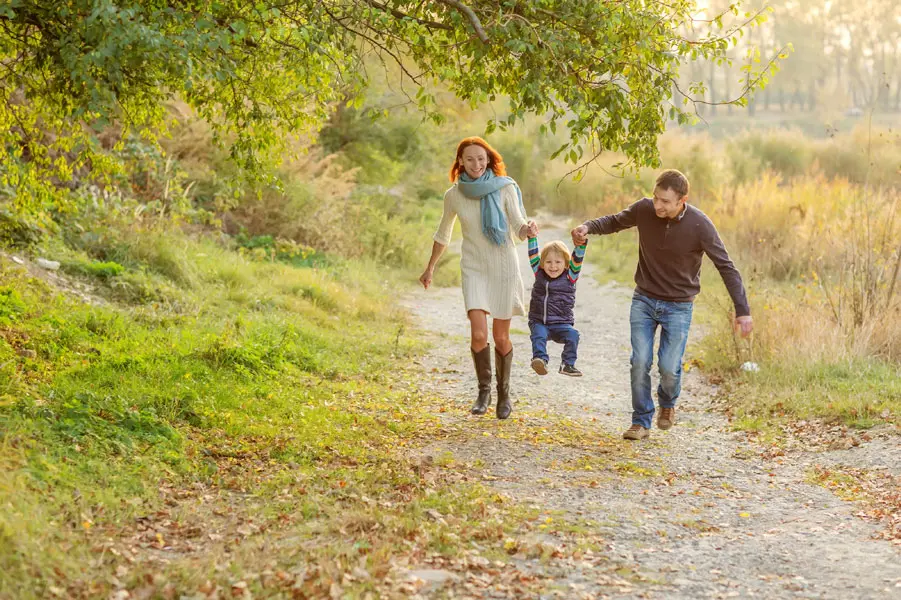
(674, 319)
(562, 334)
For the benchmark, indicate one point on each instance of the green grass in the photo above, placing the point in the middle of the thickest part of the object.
(231, 374)
(860, 393)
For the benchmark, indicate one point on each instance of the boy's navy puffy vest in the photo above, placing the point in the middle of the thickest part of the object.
(552, 300)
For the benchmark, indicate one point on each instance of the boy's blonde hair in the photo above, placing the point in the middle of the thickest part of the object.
(556, 246)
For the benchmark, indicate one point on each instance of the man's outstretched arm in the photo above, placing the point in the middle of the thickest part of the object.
(607, 224)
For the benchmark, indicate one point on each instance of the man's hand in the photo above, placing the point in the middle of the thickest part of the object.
(580, 235)
(533, 229)
(745, 324)
(426, 278)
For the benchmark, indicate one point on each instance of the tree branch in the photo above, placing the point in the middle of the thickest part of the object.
(401, 15)
(470, 15)
(376, 44)
(748, 88)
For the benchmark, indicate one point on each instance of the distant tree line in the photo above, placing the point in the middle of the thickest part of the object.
(844, 52)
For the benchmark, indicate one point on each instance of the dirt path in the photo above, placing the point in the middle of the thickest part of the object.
(694, 513)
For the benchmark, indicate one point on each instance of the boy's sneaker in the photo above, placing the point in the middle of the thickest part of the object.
(570, 370)
(539, 365)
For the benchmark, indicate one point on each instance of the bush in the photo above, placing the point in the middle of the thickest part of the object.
(11, 305)
(16, 231)
(787, 153)
(98, 269)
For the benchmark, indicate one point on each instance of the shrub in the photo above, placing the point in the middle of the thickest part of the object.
(16, 231)
(787, 153)
(98, 269)
(11, 305)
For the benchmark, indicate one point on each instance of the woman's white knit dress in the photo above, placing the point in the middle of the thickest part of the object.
(491, 275)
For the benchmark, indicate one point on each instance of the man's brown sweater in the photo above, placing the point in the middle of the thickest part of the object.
(670, 253)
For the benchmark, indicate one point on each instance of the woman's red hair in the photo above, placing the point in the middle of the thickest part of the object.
(495, 162)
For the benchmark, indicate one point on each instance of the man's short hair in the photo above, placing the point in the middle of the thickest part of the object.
(671, 179)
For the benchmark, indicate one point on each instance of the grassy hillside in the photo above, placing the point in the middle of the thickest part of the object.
(194, 384)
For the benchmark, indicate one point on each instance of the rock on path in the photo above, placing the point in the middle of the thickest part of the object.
(715, 521)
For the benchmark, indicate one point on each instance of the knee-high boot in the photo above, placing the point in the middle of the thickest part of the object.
(503, 365)
(482, 361)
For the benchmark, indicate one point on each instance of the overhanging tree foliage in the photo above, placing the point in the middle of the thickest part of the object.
(258, 70)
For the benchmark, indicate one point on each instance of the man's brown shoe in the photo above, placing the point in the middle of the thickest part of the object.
(666, 418)
(636, 432)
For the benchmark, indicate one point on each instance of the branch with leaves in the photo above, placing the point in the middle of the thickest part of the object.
(257, 72)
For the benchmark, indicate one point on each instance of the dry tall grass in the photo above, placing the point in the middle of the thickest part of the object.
(828, 254)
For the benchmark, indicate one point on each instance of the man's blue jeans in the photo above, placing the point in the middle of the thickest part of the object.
(674, 319)
(562, 334)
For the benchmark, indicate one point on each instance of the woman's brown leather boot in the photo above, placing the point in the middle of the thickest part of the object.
(503, 365)
(482, 361)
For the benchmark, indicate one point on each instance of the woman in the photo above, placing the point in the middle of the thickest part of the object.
(491, 212)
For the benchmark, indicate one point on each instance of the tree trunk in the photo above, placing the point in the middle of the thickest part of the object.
(752, 100)
(898, 97)
(896, 79)
(712, 88)
(797, 98)
(727, 89)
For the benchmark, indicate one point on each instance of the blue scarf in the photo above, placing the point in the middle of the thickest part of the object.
(487, 189)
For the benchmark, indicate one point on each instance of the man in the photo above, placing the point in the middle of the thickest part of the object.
(673, 236)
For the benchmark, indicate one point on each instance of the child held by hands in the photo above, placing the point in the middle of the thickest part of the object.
(553, 298)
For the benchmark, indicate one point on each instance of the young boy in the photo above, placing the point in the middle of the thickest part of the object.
(553, 299)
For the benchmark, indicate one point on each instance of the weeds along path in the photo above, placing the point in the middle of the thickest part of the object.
(694, 512)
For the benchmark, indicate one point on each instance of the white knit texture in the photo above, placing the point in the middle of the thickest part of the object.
(491, 274)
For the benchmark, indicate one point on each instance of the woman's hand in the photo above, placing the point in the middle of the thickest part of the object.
(426, 278)
(526, 230)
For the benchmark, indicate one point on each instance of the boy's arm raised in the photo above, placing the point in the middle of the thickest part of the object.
(575, 262)
(534, 259)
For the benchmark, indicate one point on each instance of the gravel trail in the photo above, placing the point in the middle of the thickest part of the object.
(703, 515)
